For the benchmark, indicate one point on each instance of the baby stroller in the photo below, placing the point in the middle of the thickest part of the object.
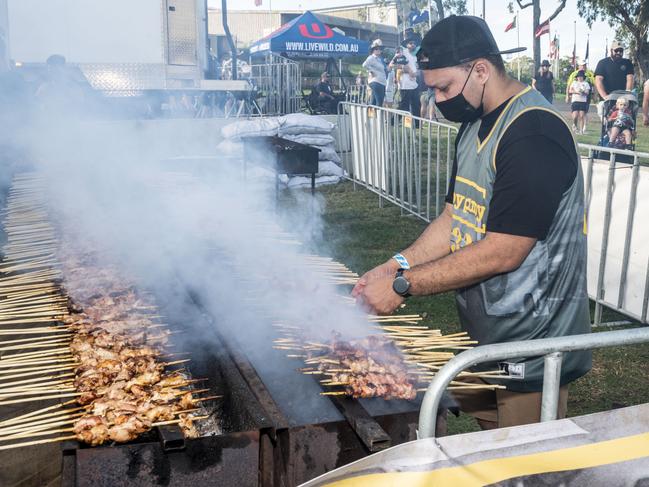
(619, 116)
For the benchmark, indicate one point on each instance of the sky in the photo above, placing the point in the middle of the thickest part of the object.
(497, 17)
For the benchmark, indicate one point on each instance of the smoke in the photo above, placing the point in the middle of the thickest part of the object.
(155, 199)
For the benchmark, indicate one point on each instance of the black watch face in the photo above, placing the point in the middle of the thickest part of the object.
(400, 285)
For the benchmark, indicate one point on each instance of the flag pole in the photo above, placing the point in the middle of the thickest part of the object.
(518, 43)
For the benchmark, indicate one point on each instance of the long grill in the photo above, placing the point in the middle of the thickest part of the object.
(279, 425)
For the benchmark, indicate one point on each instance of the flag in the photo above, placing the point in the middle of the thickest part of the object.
(574, 55)
(587, 49)
(257, 3)
(554, 48)
(511, 25)
(544, 28)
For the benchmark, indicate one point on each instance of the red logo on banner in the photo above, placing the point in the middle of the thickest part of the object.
(314, 32)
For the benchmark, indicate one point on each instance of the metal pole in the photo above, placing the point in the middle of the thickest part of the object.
(600, 292)
(502, 351)
(551, 384)
(484, 10)
(226, 30)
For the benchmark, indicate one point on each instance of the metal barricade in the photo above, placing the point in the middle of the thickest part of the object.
(279, 85)
(550, 348)
(357, 94)
(618, 250)
(406, 160)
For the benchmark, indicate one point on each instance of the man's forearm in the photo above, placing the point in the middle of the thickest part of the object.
(434, 242)
(496, 254)
(599, 84)
(629, 82)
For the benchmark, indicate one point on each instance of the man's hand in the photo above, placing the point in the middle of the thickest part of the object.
(387, 269)
(645, 120)
(378, 297)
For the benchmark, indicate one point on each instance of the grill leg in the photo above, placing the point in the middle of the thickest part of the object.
(312, 183)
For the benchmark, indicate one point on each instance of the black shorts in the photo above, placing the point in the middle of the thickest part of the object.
(579, 106)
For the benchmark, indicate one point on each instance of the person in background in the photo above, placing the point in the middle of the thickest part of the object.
(390, 88)
(645, 104)
(613, 73)
(428, 104)
(543, 82)
(590, 79)
(579, 90)
(408, 87)
(510, 240)
(378, 73)
(326, 97)
(621, 121)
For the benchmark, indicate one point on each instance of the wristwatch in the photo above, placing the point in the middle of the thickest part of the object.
(401, 285)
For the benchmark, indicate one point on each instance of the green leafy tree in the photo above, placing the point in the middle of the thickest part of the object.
(535, 5)
(631, 18)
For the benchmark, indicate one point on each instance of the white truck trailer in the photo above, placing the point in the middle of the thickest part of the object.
(121, 46)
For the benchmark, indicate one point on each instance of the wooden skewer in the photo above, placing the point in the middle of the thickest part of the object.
(36, 426)
(54, 343)
(19, 357)
(34, 380)
(28, 372)
(38, 442)
(41, 398)
(46, 365)
(35, 339)
(37, 412)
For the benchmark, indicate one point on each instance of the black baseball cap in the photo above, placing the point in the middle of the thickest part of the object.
(456, 40)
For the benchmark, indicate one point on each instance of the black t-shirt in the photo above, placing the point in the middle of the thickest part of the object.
(536, 162)
(323, 87)
(614, 73)
(544, 83)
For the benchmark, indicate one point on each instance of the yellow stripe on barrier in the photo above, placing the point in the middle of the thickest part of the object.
(499, 469)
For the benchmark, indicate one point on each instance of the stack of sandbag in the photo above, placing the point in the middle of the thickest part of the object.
(299, 127)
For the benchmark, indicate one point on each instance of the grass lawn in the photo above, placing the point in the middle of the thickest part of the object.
(362, 235)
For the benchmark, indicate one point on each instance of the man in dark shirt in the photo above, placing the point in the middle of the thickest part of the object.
(614, 72)
(544, 81)
(326, 96)
(511, 240)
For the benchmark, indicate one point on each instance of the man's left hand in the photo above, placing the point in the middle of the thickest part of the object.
(378, 297)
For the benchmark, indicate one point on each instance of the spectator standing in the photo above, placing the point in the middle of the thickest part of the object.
(408, 86)
(613, 73)
(579, 90)
(378, 73)
(590, 79)
(543, 82)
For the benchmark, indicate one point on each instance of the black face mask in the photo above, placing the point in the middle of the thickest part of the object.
(458, 109)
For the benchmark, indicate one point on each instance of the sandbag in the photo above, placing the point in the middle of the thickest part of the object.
(329, 154)
(301, 123)
(304, 182)
(330, 168)
(316, 140)
(251, 128)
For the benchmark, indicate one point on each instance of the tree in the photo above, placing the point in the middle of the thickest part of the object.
(453, 6)
(631, 17)
(442, 8)
(536, 21)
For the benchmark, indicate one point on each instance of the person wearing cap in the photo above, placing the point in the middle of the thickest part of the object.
(511, 239)
(579, 90)
(590, 79)
(544, 81)
(326, 97)
(378, 73)
(614, 72)
(408, 86)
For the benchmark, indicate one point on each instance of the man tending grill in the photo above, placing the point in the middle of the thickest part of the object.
(511, 240)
